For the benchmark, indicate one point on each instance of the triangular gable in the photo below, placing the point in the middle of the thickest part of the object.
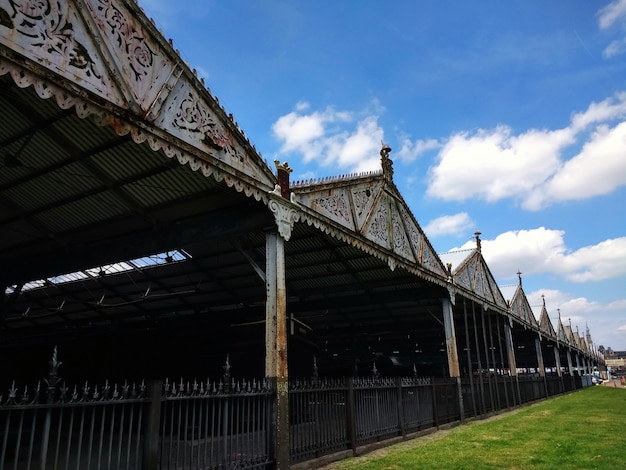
(567, 329)
(109, 52)
(455, 261)
(470, 271)
(578, 341)
(520, 307)
(561, 332)
(545, 325)
(368, 205)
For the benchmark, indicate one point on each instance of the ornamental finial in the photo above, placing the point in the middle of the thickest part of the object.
(386, 162)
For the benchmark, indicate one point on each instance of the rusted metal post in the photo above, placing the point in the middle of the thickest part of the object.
(506, 387)
(540, 364)
(479, 361)
(508, 335)
(452, 351)
(469, 358)
(151, 432)
(570, 367)
(276, 344)
(557, 359)
(487, 364)
(578, 368)
(559, 372)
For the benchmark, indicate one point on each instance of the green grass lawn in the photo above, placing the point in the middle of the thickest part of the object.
(581, 430)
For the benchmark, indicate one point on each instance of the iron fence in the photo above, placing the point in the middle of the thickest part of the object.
(81, 428)
(216, 425)
(227, 424)
(333, 415)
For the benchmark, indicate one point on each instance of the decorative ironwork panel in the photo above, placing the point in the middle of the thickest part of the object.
(54, 34)
(363, 198)
(400, 239)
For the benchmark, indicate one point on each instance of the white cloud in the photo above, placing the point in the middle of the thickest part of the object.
(614, 12)
(611, 108)
(611, 13)
(448, 225)
(605, 260)
(614, 48)
(605, 321)
(529, 251)
(331, 138)
(297, 131)
(410, 151)
(598, 169)
(495, 164)
(302, 106)
(542, 250)
(359, 150)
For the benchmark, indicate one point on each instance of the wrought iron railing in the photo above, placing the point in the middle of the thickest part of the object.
(230, 424)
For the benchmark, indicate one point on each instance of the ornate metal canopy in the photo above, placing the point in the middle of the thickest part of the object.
(132, 204)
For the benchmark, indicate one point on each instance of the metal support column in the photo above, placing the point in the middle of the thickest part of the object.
(540, 363)
(451, 348)
(487, 364)
(570, 368)
(506, 388)
(557, 358)
(496, 374)
(276, 343)
(479, 361)
(508, 335)
(470, 369)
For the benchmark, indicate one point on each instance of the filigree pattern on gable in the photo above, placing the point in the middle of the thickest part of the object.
(141, 61)
(413, 233)
(478, 287)
(377, 229)
(495, 292)
(53, 34)
(400, 240)
(335, 206)
(363, 199)
(189, 118)
(462, 278)
(430, 259)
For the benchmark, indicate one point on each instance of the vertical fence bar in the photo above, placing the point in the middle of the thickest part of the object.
(80, 438)
(151, 432)
(350, 415)
(5, 440)
(401, 420)
(435, 407)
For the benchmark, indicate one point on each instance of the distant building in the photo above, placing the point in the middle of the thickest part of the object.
(616, 360)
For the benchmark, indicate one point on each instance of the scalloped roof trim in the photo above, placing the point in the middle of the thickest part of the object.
(103, 118)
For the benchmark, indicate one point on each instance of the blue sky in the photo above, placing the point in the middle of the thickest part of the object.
(503, 117)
